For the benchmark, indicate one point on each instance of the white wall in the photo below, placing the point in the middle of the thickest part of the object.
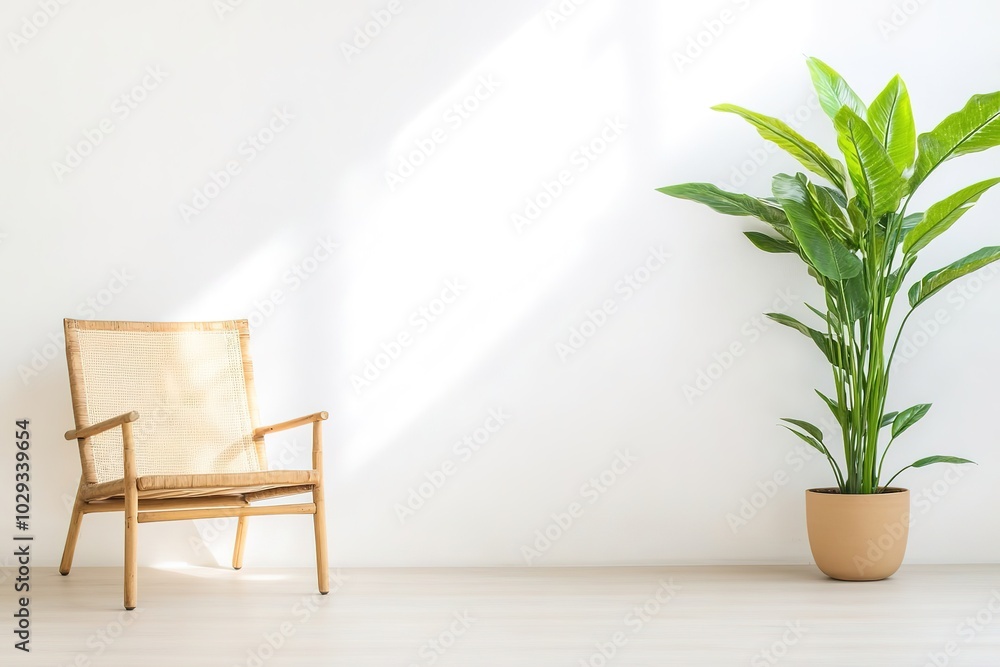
(611, 68)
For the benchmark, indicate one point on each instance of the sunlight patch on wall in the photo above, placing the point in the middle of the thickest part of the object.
(495, 188)
(235, 292)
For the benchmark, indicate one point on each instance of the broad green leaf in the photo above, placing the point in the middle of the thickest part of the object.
(858, 220)
(728, 203)
(944, 214)
(876, 179)
(899, 230)
(812, 157)
(829, 213)
(811, 441)
(908, 418)
(828, 347)
(854, 301)
(887, 419)
(833, 91)
(935, 281)
(891, 119)
(811, 429)
(825, 252)
(836, 194)
(909, 222)
(939, 459)
(975, 128)
(858, 301)
(812, 272)
(769, 243)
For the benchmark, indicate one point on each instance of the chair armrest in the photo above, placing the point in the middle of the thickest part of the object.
(291, 423)
(103, 426)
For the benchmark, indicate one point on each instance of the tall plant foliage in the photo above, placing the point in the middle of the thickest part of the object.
(849, 223)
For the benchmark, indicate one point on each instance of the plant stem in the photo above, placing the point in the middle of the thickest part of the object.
(889, 483)
(882, 460)
(892, 354)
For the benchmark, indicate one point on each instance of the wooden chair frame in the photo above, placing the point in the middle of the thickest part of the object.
(228, 502)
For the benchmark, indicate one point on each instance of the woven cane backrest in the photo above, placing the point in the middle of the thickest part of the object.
(190, 383)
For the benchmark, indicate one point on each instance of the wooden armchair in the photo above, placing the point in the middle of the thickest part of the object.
(167, 425)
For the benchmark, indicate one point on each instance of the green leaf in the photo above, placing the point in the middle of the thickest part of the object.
(855, 302)
(897, 277)
(825, 252)
(944, 214)
(843, 415)
(827, 317)
(935, 281)
(858, 301)
(827, 346)
(858, 219)
(908, 418)
(909, 222)
(811, 441)
(833, 91)
(811, 429)
(821, 448)
(891, 119)
(887, 419)
(878, 183)
(812, 157)
(829, 213)
(792, 323)
(975, 128)
(897, 229)
(930, 460)
(728, 203)
(769, 243)
(836, 194)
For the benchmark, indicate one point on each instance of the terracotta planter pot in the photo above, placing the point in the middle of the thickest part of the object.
(858, 537)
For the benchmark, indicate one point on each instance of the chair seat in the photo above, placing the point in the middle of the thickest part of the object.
(193, 486)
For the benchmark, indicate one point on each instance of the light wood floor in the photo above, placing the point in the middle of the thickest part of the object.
(712, 616)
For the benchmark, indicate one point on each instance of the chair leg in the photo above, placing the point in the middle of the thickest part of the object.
(319, 527)
(131, 517)
(73, 534)
(241, 541)
(131, 545)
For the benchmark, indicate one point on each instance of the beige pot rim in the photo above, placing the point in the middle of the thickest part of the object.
(834, 491)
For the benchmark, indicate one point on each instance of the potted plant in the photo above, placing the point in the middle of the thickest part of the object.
(853, 230)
